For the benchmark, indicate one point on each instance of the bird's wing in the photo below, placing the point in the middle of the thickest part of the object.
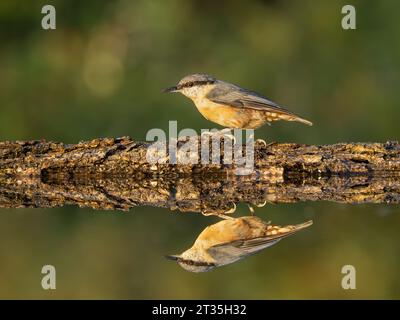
(243, 247)
(238, 97)
(235, 96)
(239, 249)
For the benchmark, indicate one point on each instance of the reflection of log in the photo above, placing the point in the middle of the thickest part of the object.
(114, 174)
(124, 156)
(209, 194)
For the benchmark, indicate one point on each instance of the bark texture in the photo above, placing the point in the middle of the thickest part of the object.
(115, 174)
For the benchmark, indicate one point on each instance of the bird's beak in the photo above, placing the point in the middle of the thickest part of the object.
(171, 89)
(172, 257)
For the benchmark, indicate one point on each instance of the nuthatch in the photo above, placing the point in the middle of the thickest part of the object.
(230, 240)
(229, 105)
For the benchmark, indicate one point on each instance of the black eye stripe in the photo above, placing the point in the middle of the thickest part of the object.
(196, 263)
(195, 83)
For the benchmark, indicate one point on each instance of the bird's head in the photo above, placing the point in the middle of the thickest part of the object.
(193, 85)
(194, 259)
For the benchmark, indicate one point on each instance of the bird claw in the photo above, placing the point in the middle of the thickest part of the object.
(224, 215)
(258, 140)
(260, 205)
(232, 210)
(262, 141)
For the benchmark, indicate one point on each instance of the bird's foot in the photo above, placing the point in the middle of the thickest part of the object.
(261, 141)
(224, 133)
(251, 137)
(260, 205)
(232, 210)
(223, 215)
(264, 143)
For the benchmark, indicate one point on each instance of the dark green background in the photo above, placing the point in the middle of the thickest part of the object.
(100, 73)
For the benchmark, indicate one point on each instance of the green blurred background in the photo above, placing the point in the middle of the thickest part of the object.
(100, 73)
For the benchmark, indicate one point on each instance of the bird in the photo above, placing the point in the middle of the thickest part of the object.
(231, 240)
(229, 105)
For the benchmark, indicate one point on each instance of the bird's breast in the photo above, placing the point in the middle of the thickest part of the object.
(227, 116)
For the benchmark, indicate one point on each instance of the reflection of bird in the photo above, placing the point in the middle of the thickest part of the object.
(231, 240)
(229, 105)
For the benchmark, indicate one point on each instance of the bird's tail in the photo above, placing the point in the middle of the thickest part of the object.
(303, 225)
(293, 117)
(278, 232)
(298, 119)
(285, 114)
